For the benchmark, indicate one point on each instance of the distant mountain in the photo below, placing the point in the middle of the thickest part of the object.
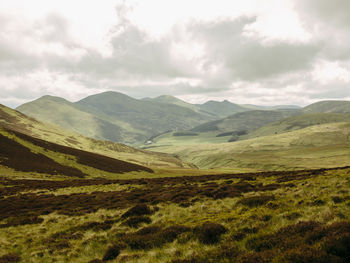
(143, 117)
(114, 116)
(15, 121)
(221, 109)
(331, 106)
(67, 115)
(245, 121)
(277, 107)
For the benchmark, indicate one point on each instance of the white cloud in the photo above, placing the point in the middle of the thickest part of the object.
(252, 51)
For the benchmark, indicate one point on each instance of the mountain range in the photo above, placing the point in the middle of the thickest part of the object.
(117, 117)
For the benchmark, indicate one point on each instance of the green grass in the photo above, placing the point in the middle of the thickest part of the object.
(322, 198)
(313, 147)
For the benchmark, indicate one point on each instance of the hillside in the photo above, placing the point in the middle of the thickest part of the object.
(61, 112)
(146, 117)
(18, 122)
(221, 109)
(298, 122)
(328, 107)
(23, 153)
(244, 121)
(318, 146)
(114, 116)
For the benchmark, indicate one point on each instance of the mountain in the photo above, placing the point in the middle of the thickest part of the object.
(168, 99)
(221, 109)
(277, 107)
(66, 114)
(16, 121)
(244, 121)
(331, 106)
(143, 117)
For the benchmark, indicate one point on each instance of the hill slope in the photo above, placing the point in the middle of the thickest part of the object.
(24, 153)
(221, 109)
(318, 146)
(249, 120)
(65, 114)
(146, 117)
(328, 107)
(16, 121)
(298, 122)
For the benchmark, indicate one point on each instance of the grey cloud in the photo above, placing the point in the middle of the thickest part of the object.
(247, 58)
(329, 22)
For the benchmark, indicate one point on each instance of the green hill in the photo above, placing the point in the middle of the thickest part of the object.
(298, 122)
(145, 117)
(318, 146)
(221, 109)
(114, 116)
(331, 106)
(244, 121)
(23, 153)
(66, 114)
(168, 99)
(16, 121)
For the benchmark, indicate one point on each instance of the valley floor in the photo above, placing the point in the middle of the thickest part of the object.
(280, 216)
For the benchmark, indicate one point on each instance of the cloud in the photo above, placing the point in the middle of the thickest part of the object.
(254, 54)
(246, 58)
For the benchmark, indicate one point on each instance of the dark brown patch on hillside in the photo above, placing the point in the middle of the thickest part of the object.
(184, 191)
(20, 158)
(94, 160)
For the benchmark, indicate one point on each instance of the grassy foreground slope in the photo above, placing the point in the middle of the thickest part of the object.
(326, 145)
(23, 153)
(13, 120)
(300, 216)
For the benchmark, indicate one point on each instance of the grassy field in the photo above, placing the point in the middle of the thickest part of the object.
(317, 146)
(297, 216)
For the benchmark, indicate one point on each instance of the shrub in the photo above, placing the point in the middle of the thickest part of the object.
(111, 253)
(138, 210)
(135, 221)
(210, 233)
(148, 230)
(255, 201)
(308, 255)
(185, 133)
(9, 258)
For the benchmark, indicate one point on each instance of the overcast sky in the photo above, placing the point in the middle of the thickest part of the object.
(247, 51)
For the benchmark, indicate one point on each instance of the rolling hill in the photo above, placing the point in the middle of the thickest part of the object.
(144, 116)
(298, 122)
(330, 106)
(319, 146)
(18, 122)
(114, 116)
(247, 121)
(23, 153)
(66, 114)
(221, 109)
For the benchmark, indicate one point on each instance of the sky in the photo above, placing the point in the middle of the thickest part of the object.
(267, 52)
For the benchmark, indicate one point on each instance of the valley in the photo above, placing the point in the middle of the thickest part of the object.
(257, 185)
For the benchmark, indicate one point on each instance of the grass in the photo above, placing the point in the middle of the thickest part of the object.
(217, 218)
(318, 146)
